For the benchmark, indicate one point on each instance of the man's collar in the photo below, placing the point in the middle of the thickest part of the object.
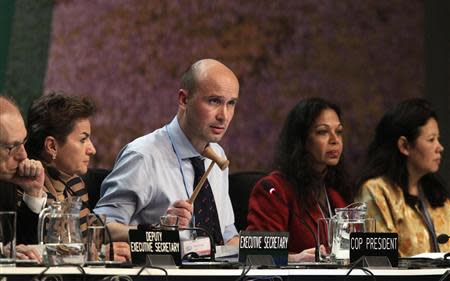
(184, 147)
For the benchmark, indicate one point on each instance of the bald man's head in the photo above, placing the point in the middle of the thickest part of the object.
(7, 105)
(8, 109)
(8, 112)
(206, 101)
(12, 135)
(200, 70)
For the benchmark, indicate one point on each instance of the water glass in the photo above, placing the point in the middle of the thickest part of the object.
(7, 238)
(96, 239)
(341, 236)
(169, 222)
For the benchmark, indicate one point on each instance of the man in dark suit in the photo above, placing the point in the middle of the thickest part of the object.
(17, 169)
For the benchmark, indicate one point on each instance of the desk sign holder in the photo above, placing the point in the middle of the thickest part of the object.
(379, 249)
(150, 243)
(259, 243)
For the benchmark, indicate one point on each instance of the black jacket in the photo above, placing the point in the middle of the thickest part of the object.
(26, 220)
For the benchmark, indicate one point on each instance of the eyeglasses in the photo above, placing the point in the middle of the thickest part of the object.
(13, 148)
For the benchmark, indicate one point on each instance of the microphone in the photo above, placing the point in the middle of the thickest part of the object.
(443, 238)
(272, 191)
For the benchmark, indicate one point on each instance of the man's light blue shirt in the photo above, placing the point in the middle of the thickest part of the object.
(147, 179)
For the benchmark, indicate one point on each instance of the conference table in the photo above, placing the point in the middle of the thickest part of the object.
(101, 273)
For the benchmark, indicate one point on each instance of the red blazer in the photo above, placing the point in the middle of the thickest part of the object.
(273, 206)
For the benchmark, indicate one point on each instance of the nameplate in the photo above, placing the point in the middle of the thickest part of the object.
(274, 244)
(201, 246)
(372, 244)
(154, 242)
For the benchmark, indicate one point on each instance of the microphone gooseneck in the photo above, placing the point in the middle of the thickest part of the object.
(271, 191)
(316, 241)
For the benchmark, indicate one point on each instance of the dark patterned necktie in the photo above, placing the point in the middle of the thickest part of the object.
(205, 211)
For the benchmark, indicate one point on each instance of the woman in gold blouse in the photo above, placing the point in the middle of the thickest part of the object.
(399, 181)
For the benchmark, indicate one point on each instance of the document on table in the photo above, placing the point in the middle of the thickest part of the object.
(430, 255)
(227, 251)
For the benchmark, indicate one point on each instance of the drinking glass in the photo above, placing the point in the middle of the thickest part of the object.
(7, 238)
(169, 222)
(96, 240)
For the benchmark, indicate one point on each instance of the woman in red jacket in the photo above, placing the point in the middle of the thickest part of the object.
(309, 180)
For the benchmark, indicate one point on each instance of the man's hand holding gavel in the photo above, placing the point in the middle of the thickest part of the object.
(183, 209)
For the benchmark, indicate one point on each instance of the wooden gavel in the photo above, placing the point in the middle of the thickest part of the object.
(208, 152)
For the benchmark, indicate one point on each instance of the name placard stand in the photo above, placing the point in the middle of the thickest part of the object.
(263, 248)
(164, 261)
(379, 262)
(154, 247)
(374, 250)
(265, 260)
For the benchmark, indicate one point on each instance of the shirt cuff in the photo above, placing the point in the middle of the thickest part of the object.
(35, 204)
(230, 232)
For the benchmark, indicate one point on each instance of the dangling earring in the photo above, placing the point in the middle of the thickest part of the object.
(54, 156)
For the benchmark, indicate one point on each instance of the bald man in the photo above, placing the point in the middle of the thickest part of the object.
(17, 169)
(154, 175)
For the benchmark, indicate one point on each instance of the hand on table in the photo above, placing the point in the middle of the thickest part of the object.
(122, 251)
(307, 255)
(24, 252)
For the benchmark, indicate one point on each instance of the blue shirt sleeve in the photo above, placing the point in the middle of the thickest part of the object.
(122, 194)
(230, 232)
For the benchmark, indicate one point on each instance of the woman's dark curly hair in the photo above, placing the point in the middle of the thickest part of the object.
(384, 158)
(294, 160)
(54, 114)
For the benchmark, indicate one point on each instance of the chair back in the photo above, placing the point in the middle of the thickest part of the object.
(240, 187)
(93, 180)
